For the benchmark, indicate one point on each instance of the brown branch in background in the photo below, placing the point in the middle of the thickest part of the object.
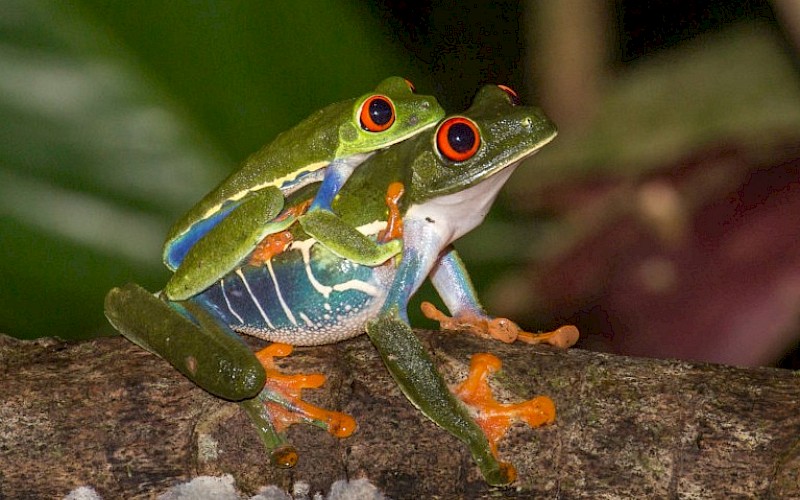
(788, 14)
(568, 65)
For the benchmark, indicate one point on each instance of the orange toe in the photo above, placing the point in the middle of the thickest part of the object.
(284, 397)
(494, 417)
(501, 329)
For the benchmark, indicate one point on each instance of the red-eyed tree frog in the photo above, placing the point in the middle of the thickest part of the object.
(424, 192)
(216, 235)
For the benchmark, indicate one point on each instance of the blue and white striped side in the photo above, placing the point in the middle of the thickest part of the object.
(304, 296)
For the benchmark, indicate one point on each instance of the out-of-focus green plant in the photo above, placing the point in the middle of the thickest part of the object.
(115, 117)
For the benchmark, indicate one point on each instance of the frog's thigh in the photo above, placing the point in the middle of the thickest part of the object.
(213, 358)
(345, 241)
(226, 245)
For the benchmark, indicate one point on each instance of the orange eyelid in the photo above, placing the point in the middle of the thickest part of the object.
(366, 118)
(511, 92)
(410, 85)
(443, 143)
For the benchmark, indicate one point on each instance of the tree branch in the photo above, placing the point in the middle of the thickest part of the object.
(109, 415)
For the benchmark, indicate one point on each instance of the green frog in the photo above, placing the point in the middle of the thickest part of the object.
(423, 193)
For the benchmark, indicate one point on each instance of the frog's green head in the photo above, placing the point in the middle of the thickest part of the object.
(456, 174)
(391, 113)
(493, 135)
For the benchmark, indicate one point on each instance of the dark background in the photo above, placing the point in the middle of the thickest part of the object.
(116, 117)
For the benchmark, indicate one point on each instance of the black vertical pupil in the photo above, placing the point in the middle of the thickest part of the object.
(380, 111)
(461, 137)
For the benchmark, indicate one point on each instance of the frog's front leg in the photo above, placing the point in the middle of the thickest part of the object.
(412, 367)
(324, 226)
(336, 174)
(486, 420)
(347, 242)
(415, 373)
(451, 280)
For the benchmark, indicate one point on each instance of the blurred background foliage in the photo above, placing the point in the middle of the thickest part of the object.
(678, 145)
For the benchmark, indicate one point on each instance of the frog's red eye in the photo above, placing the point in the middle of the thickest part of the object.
(458, 139)
(377, 114)
(410, 85)
(511, 93)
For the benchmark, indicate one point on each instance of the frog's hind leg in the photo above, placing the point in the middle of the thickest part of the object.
(215, 358)
(280, 405)
(189, 338)
(197, 345)
(470, 411)
(227, 244)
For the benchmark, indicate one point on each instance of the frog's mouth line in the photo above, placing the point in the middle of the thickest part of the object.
(525, 154)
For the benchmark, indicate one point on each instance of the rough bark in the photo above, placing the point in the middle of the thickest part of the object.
(107, 414)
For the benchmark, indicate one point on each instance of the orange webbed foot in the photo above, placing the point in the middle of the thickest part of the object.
(283, 397)
(501, 329)
(494, 417)
(563, 337)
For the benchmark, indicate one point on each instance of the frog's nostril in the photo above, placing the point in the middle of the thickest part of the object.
(413, 120)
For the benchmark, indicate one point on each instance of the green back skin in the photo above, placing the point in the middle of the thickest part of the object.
(508, 133)
(331, 133)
